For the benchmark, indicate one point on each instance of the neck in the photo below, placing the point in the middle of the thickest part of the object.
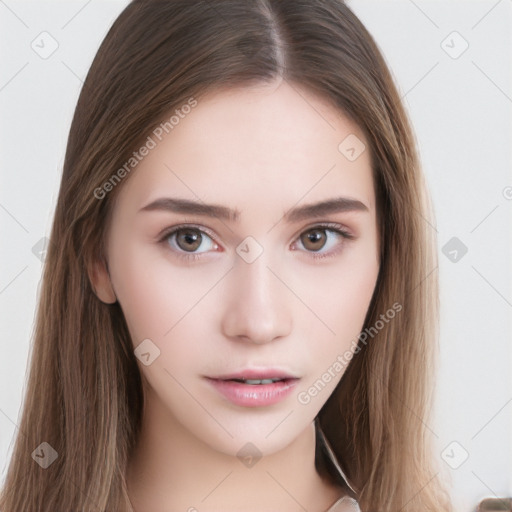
(171, 469)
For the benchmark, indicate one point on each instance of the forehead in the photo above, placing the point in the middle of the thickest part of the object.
(252, 146)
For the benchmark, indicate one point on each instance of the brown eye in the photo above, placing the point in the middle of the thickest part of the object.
(189, 242)
(324, 240)
(314, 239)
(188, 239)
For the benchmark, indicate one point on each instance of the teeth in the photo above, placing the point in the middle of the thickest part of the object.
(259, 381)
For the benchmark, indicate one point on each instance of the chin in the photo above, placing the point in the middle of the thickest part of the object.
(255, 435)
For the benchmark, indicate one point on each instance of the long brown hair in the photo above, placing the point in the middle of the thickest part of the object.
(84, 394)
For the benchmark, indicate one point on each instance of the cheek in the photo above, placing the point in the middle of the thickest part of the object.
(340, 292)
(159, 297)
(355, 288)
(340, 299)
(143, 293)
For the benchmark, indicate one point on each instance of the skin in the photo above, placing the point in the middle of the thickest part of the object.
(262, 150)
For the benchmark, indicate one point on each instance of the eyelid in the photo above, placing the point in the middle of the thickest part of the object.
(340, 229)
(166, 232)
(336, 226)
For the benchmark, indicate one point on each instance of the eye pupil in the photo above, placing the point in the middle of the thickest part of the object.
(189, 239)
(188, 236)
(311, 238)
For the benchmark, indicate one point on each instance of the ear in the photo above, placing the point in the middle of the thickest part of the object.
(100, 281)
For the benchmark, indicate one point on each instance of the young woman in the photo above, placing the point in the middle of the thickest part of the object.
(238, 305)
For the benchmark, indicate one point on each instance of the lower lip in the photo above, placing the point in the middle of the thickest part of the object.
(254, 395)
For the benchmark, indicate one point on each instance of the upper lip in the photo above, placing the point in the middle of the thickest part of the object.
(253, 373)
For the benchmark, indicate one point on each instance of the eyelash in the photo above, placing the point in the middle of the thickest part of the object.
(329, 226)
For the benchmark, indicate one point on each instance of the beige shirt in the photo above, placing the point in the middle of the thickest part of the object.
(345, 504)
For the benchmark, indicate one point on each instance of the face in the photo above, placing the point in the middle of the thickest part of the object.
(264, 286)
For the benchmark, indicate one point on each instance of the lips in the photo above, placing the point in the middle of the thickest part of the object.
(254, 382)
(259, 394)
(253, 387)
(250, 374)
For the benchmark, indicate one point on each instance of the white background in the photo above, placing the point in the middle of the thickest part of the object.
(461, 111)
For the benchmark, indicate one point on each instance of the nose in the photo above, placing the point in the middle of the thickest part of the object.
(258, 306)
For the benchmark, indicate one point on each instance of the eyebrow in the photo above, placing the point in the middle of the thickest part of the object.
(329, 206)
